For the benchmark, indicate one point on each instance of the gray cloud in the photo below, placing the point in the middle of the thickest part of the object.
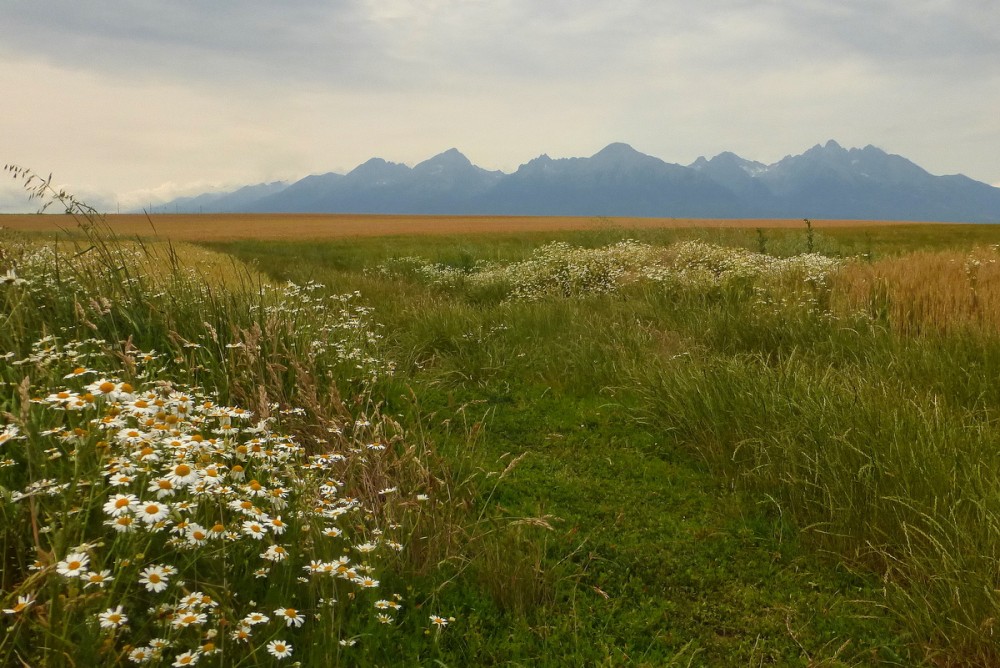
(391, 42)
(281, 89)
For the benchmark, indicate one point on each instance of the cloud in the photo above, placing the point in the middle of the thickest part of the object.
(188, 92)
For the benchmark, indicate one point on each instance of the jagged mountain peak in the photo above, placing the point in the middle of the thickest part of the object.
(450, 158)
(826, 181)
(617, 150)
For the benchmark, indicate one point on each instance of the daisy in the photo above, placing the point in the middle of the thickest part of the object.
(242, 633)
(279, 649)
(163, 487)
(132, 436)
(254, 529)
(155, 578)
(152, 512)
(120, 479)
(23, 602)
(315, 566)
(112, 618)
(211, 475)
(102, 386)
(120, 504)
(290, 615)
(182, 474)
(186, 659)
(197, 534)
(366, 582)
(188, 618)
(254, 488)
(439, 621)
(146, 454)
(140, 655)
(123, 524)
(277, 525)
(384, 618)
(74, 565)
(275, 553)
(9, 433)
(197, 599)
(255, 618)
(98, 579)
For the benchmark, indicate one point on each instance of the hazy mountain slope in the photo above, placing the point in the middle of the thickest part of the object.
(826, 181)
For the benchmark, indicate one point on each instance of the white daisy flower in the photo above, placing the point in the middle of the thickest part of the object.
(275, 553)
(74, 565)
(155, 578)
(186, 659)
(23, 603)
(97, 579)
(279, 649)
(112, 618)
(120, 504)
(255, 618)
(291, 616)
(151, 512)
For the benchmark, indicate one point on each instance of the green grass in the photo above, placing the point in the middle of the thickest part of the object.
(631, 408)
(685, 472)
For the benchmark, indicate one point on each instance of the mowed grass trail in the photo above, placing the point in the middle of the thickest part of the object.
(745, 474)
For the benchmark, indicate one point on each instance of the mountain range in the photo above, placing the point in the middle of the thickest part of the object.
(826, 181)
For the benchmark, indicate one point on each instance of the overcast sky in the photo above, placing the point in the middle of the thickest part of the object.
(131, 102)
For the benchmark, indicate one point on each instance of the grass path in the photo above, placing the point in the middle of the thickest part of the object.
(665, 563)
(648, 556)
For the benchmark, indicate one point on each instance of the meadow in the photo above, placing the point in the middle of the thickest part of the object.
(615, 445)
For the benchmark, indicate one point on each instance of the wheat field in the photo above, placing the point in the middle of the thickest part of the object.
(231, 226)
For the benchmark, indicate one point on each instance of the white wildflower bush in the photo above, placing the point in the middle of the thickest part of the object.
(148, 518)
(562, 270)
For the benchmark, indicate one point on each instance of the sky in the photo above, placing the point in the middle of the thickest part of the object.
(132, 102)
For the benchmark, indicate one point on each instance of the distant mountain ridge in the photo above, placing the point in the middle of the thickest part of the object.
(826, 181)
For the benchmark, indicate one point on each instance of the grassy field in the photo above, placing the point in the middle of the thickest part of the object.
(617, 444)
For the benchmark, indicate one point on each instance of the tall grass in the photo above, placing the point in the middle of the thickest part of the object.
(198, 469)
(857, 396)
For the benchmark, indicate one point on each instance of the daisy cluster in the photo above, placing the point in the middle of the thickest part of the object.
(339, 326)
(186, 497)
(144, 519)
(334, 331)
(562, 270)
